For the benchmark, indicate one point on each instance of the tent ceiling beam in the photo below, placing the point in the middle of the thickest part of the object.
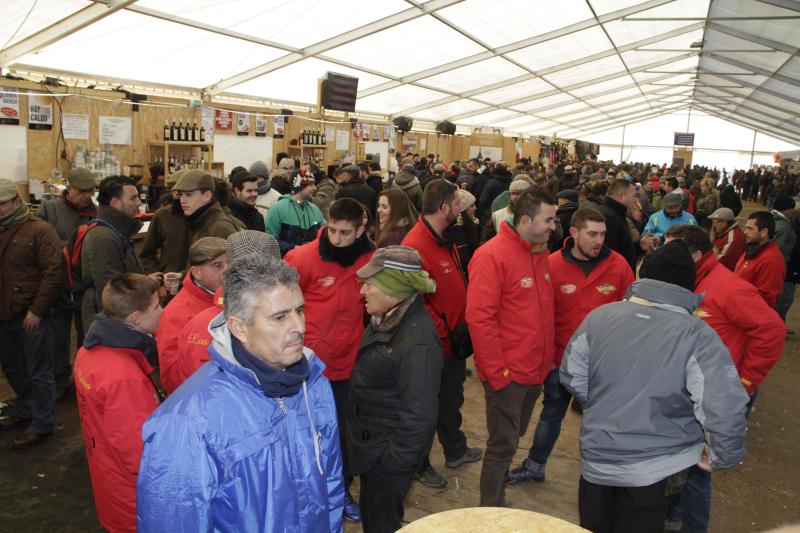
(775, 45)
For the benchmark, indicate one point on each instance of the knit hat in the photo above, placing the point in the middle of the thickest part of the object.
(205, 250)
(397, 271)
(783, 203)
(438, 167)
(672, 199)
(8, 190)
(465, 200)
(520, 185)
(300, 182)
(249, 242)
(287, 163)
(723, 213)
(194, 180)
(173, 178)
(82, 179)
(570, 195)
(259, 168)
(671, 263)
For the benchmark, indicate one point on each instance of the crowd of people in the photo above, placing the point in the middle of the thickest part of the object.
(315, 330)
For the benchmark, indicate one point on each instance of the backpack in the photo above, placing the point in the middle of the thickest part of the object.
(71, 256)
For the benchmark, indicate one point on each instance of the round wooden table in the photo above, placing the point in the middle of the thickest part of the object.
(491, 519)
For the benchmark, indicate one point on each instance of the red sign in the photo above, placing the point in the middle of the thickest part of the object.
(223, 120)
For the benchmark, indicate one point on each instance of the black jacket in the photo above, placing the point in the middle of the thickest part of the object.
(564, 214)
(499, 182)
(360, 191)
(375, 181)
(246, 213)
(728, 198)
(394, 392)
(618, 236)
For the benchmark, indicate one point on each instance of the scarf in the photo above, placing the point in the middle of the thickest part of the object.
(16, 217)
(344, 255)
(402, 284)
(199, 212)
(752, 249)
(274, 382)
(263, 188)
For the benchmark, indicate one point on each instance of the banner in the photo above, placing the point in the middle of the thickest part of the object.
(223, 120)
(40, 111)
(9, 106)
(243, 124)
(261, 126)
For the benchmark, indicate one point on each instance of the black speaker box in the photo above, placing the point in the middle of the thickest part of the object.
(403, 123)
(448, 128)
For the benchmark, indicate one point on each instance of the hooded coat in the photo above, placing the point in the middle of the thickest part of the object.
(293, 222)
(409, 183)
(499, 182)
(166, 246)
(211, 220)
(729, 245)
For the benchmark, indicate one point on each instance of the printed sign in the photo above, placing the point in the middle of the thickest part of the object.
(261, 126)
(115, 130)
(40, 112)
(243, 124)
(75, 126)
(9, 106)
(223, 120)
(278, 127)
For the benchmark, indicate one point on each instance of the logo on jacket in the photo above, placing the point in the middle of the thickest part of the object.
(327, 281)
(526, 283)
(701, 313)
(547, 276)
(195, 338)
(569, 288)
(606, 288)
(446, 267)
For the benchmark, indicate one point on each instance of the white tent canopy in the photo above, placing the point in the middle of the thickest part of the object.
(565, 67)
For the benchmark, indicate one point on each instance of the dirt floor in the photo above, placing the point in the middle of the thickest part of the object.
(47, 489)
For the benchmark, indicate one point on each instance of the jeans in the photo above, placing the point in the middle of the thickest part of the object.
(605, 509)
(62, 335)
(451, 398)
(27, 362)
(692, 507)
(554, 408)
(786, 299)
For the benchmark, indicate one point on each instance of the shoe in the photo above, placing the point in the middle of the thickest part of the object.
(29, 438)
(431, 478)
(576, 406)
(529, 471)
(351, 510)
(13, 422)
(472, 455)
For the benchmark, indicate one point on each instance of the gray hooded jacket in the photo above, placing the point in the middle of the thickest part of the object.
(657, 384)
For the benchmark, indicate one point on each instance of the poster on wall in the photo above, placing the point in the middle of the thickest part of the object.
(9, 106)
(357, 130)
(243, 124)
(208, 124)
(261, 126)
(223, 120)
(40, 112)
(330, 132)
(342, 140)
(365, 132)
(114, 130)
(375, 135)
(75, 126)
(279, 127)
(482, 152)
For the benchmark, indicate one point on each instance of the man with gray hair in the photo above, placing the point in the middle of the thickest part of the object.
(250, 441)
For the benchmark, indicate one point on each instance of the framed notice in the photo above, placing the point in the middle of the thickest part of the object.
(208, 124)
(40, 111)
(9, 106)
(261, 126)
(223, 120)
(279, 127)
(115, 130)
(75, 126)
(243, 124)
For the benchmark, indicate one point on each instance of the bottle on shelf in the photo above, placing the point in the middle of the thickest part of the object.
(166, 130)
(180, 131)
(305, 137)
(202, 134)
(187, 132)
(316, 136)
(323, 140)
(194, 131)
(173, 132)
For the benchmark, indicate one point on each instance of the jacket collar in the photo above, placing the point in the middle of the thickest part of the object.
(615, 205)
(569, 244)
(664, 295)
(441, 241)
(705, 266)
(508, 233)
(196, 290)
(125, 225)
(383, 332)
(732, 227)
(112, 334)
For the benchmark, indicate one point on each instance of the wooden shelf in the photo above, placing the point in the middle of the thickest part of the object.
(313, 146)
(179, 143)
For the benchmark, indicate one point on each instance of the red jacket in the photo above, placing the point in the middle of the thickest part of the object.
(440, 260)
(510, 311)
(752, 331)
(193, 340)
(115, 397)
(729, 246)
(576, 294)
(189, 301)
(766, 270)
(334, 310)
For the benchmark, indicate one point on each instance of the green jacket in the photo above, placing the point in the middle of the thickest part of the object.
(293, 223)
(65, 217)
(166, 247)
(785, 237)
(210, 221)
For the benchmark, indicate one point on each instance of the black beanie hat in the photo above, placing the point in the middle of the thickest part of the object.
(671, 263)
(783, 202)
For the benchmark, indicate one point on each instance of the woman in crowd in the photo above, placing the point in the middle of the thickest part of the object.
(466, 233)
(708, 202)
(396, 216)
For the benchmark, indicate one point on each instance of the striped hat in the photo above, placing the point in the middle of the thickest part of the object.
(401, 258)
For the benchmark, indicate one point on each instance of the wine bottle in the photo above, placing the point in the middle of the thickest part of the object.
(202, 133)
(316, 136)
(305, 136)
(173, 132)
(166, 130)
(187, 132)
(194, 131)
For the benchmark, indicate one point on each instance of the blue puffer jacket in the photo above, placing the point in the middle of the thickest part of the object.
(220, 455)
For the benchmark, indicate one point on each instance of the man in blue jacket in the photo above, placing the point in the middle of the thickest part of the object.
(250, 441)
(672, 215)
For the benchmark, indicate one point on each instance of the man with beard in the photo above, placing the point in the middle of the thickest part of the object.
(762, 263)
(510, 317)
(727, 237)
(585, 274)
(447, 305)
(243, 202)
(166, 246)
(671, 215)
(334, 312)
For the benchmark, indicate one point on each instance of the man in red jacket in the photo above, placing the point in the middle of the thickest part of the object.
(727, 237)
(510, 317)
(753, 333)
(762, 264)
(334, 310)
(207, 264)
(585, 274)
(194, 338)
(116, 394)
(440, 260)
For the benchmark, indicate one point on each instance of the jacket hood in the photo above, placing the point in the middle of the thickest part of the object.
(567, 208)
(107, 332)
(127, 226)
(665, 295)
(502, 174)
(405, 180)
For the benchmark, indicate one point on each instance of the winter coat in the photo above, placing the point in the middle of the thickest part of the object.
(707, 204)
(115, 396)
(752, 331)
(248, 214)
(410, 184)
(363, 193)
(193, 341)
(31, 275)
(334, 311)
(220, 455)
(105, 253)
(659, 222)
(656, 384)
(729, 246)
(65, 217)
(576, 294)
(190, 300)
(499, 182)
(564, 214)
(293, 223)
(728, 198)
(764, 267)
(508, 282)
(324, 195)
(394, 237)
(375, 181)
(394, 392)
(618, 236)
(785, 236)
(441, 261)
(266, 201)
(210, 221)
(166, 246)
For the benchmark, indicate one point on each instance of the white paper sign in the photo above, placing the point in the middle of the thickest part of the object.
(208, 124)
(75, 126)
(40, 111)
(9, 106)
(115, 130)
(342, 140)
(330, 133)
